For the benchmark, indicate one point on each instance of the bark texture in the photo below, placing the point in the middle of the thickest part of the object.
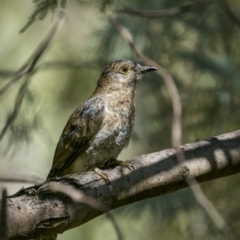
(36, 212)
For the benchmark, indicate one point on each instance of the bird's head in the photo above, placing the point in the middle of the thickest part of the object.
(123, 74)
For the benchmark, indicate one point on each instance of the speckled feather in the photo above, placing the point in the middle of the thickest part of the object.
(97, 131)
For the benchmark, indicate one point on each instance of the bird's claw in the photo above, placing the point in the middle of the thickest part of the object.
(126, 165)
(121, 163)
(102, 174)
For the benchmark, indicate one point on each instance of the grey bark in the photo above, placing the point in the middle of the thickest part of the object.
(37, 211)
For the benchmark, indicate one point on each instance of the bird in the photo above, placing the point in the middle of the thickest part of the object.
(98, 130)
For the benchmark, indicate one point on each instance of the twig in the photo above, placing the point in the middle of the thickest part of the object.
(54, 64)
(32, 60)
(17, 106)
(171, 86)
(203, 200)
(30, 66)
(79, 196)
(165, 12)
(21, 179)
(3, 217)
(15, 76)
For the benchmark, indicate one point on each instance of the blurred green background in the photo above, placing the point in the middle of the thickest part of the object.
(200, 48)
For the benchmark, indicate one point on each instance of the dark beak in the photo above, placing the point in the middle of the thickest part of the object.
(145, 69)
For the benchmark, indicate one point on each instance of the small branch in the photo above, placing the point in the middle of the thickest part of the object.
(203, 200)
(170, 84)
(17, 106)
(165, 12)
(30, 67)
(54, 64)
(38, 212)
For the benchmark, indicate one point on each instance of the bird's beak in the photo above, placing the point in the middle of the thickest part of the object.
(145, 69)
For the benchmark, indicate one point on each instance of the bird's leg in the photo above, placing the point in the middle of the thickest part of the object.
(102, 174)
(114, 161)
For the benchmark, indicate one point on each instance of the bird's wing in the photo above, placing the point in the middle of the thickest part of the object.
(80, 129)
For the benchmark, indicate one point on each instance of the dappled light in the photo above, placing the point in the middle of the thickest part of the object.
(52, 54)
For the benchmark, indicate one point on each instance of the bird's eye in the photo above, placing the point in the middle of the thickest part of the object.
(125, 69)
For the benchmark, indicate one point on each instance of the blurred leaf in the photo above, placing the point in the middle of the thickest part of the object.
(42, 7)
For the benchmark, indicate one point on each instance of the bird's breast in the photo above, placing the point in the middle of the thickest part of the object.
(113, 135)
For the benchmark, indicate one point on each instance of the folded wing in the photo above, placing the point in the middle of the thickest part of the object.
(80, 129)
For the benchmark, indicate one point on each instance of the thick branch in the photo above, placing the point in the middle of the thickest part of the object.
(37, 211)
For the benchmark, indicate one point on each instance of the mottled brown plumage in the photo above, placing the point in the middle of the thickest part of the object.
(97, 131)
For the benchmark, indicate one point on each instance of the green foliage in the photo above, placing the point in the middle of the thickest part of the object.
(42, 7)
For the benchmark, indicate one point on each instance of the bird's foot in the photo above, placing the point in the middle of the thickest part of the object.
(121, 163)
(102, 174)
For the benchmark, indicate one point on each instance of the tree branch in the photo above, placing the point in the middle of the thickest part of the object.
(37, 212)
